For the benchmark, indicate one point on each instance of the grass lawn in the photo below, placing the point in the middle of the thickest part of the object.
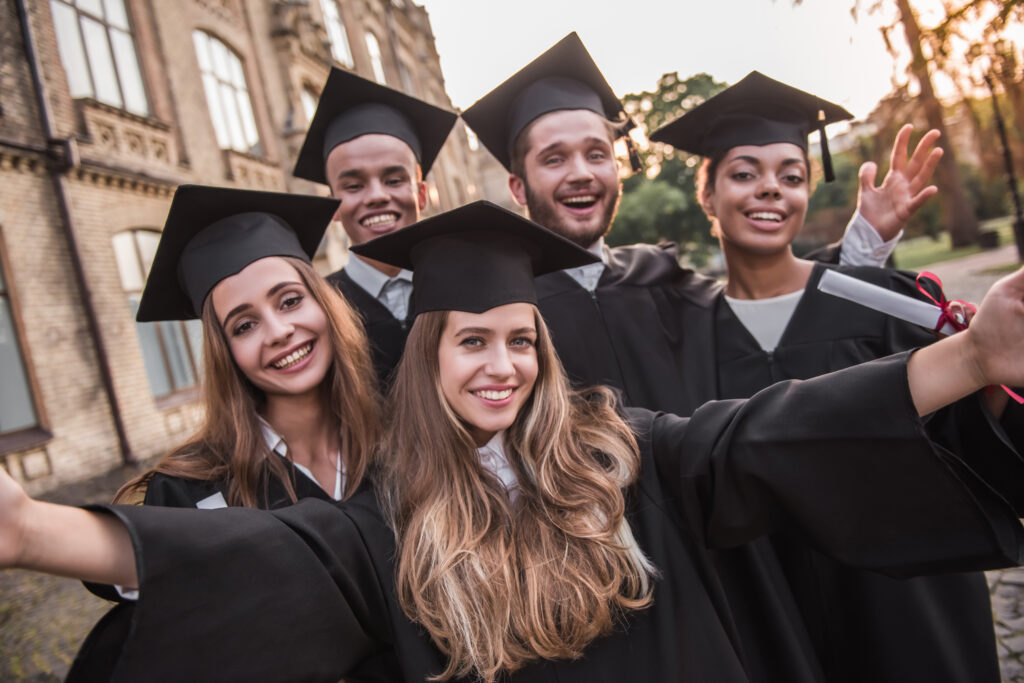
(914, 253)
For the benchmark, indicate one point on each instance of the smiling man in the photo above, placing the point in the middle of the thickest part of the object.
(373, 146)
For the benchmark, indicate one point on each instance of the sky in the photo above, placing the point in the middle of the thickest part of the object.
(816, 47)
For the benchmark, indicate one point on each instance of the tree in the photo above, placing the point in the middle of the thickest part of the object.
(959, 217)
(661, 204)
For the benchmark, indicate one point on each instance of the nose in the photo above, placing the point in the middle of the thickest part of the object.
(279, 329)
(579, 169)
(499, 363)
(376, 193)
(768, 187)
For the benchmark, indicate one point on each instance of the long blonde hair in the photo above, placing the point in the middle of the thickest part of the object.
(230, 446)
(499, 584)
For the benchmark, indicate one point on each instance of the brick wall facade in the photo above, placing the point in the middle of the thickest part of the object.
(106, 170)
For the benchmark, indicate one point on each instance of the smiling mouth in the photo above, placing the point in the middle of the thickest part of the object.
(583, 201)
(293, 358)
(493, 395)
(770, 216)
(378, 220)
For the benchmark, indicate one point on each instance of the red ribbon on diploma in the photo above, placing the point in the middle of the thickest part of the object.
(955, 319)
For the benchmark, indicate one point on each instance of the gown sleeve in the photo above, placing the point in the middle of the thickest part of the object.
(844, 462)
(243, 594)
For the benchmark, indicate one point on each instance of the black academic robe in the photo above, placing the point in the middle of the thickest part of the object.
(386, 333)
(864, 626)
(306, 593)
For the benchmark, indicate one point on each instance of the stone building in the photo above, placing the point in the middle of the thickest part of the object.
(105, 107)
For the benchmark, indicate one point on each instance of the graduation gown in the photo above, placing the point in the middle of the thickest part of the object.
(386, 333)
(305, 593)
(865, 626)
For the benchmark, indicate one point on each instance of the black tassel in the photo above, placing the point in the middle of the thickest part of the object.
(634, 156)
(826, 156)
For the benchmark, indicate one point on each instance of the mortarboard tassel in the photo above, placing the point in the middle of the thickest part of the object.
(826, 156)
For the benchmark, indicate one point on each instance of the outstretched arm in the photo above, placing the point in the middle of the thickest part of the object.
(989, 352)
(62, 540)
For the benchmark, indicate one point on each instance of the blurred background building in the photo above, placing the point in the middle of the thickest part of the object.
(105, 107)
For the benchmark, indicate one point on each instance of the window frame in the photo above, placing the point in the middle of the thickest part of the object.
(347, 63)
(87, 58)
(176, 394)
(255, 148)
(38, 434)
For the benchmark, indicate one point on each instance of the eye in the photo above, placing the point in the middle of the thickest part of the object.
(794, 179)
(598, 155)
(472, 342)
(351, 187)
(742, 175)
(553, 160)
(521, 343)
(242, 327)
(291, 301)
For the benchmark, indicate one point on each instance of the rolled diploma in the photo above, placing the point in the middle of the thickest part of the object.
(883, 300)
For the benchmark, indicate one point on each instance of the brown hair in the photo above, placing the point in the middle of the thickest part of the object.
(498, 584)
(230, 446)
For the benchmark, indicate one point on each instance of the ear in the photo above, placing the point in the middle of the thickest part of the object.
(518, 187)
(421, 194)
(706, 202)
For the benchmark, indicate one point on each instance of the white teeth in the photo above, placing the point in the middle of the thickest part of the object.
(379, 219)
(582, 199)
(766, 216)
(293, 357)
(493, 395)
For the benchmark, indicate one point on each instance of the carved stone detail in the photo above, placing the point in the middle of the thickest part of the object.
(117, 136)
(253, 173)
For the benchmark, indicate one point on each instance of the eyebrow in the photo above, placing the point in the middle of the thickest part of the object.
(757, 162)
(590, 139)
(488, 330)
(246, 306)
(358, 172)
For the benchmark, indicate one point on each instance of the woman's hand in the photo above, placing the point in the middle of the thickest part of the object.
(905, 187)
(990, 351)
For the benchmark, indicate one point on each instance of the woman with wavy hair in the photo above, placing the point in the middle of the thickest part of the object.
(289, 405)
(520, 532)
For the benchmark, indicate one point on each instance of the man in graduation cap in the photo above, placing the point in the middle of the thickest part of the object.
(373, 146)
(553, 125)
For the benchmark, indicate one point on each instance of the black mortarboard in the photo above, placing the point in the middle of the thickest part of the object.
(564, 77)
(214, 232)
(756, 111)
(351, 106)
(474, 258)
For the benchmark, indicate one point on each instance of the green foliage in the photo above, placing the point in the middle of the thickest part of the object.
(662, 204)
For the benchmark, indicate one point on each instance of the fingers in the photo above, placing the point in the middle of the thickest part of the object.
(923, 151)
(927, 170)
(867, 174)
(920, 198)
(899, 148)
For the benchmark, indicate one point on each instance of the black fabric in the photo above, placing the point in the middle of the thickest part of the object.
(318, 599)
(564, 77)
(351, 106)
(214, 232)
(474, 258)
(385, 333)
(866, 627)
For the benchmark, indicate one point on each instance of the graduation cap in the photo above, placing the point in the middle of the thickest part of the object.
(474, 258)
(351, 106)
(756, 111)
(214, 232)
(564, 77)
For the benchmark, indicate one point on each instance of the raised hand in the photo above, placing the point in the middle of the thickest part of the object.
(997, 332)
(905, 187)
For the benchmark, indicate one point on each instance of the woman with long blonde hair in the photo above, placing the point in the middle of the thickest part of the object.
(520, 532)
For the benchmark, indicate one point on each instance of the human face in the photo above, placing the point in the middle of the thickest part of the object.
(376, 177)
(276, 330)
(759, 198)
(571, 183)
(488, 366)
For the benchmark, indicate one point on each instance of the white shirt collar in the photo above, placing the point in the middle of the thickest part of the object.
(276, 444)
(492, 458)
(371, 279)
(587, 276)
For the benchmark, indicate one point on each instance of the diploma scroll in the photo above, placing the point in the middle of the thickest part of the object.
(881, 299)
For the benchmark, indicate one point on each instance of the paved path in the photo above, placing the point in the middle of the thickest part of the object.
(43, 619)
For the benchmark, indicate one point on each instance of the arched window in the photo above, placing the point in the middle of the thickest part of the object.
(95, 43)
(309, 102)
(336, 33)
(17, 410)
(376, 61)
(171, 350)
(226, 95)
